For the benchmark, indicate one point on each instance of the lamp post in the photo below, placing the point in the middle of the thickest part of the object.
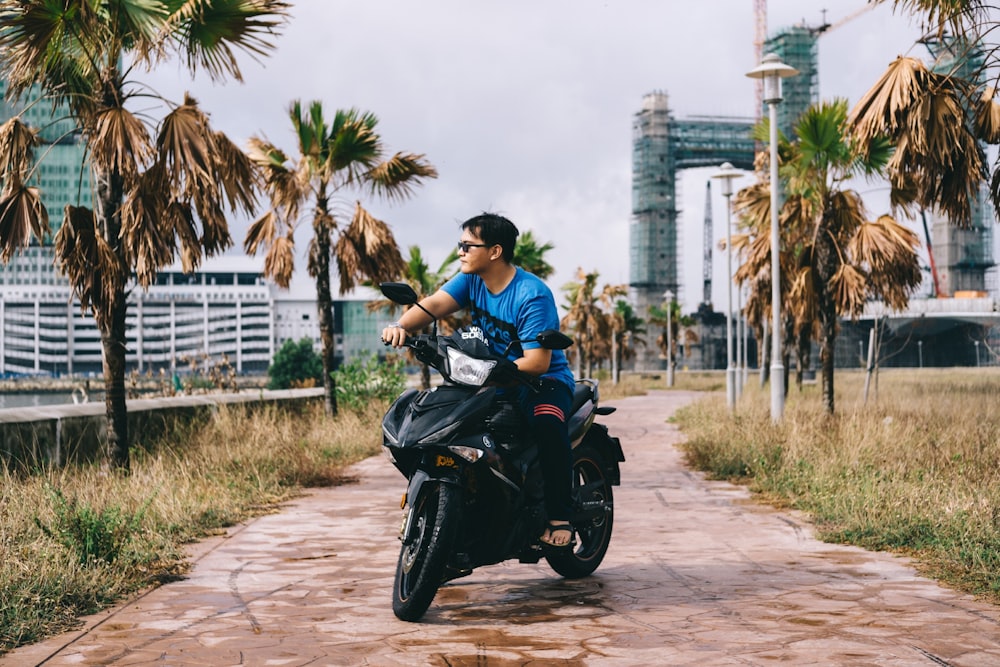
(920, 353)
(668, 297)
(725, 176)
(772, 71)
(976, 343)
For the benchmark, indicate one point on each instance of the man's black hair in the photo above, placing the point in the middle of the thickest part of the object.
(494, 230)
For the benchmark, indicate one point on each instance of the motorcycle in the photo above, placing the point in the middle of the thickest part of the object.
(475, 493)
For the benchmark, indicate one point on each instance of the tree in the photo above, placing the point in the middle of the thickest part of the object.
(626, 335)
(343, 156)
(588, 320)
(530, 255)
(295, 365)
(832, 260)
(160, 188)
(937, 120)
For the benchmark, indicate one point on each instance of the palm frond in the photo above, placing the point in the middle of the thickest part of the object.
(236, 173)
(17, 148)
(148, 241)
(988, 116)
(94, 270)
(279, 263)
(22, 213)
(210, 33)
(848, 288)
(845, 213)
(803, 296)
(882, 111)
(752, 206)
(367, 250)
(185, 150)
(120, 141)
(396, 177)
(263, 231)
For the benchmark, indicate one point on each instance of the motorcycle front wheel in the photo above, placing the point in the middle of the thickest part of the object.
(422, 562)
(594, 535)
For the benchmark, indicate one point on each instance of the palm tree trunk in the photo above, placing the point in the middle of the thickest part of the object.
(324, 306)
(788, 345)
(113, 344)
(764, 354)
(802, 351)
(827, 260)
(110, 318)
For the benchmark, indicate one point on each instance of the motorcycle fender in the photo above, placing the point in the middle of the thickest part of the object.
(599, 437)
(407, 530)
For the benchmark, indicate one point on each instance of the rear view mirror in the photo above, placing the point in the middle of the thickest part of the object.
(400, 293)
(553, 339)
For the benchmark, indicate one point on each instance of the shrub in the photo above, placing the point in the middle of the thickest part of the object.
(295, 365)
(365, 379)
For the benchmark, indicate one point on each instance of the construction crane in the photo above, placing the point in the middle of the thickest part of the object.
(827, 27)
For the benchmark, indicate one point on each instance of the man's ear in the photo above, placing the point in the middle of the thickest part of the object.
(496, 252)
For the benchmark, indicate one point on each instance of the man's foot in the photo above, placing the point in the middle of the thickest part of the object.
(558, 534)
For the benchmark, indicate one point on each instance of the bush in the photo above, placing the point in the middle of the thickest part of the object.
(295, 365)
(366, 379)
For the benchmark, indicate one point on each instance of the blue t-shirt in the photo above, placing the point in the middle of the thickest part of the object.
(520, 312)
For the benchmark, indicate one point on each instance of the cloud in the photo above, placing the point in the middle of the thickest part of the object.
(525, 107)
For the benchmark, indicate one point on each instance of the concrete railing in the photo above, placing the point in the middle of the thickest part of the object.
(59, 434)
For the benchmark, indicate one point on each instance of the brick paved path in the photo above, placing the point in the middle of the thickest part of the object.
(696, 575)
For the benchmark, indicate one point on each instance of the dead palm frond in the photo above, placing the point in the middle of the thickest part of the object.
(21, 215)
(848, 288)
(367, 248)
(121, 140)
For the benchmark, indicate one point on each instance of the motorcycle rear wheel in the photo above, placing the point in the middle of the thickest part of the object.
(421, 563)
(594, 536)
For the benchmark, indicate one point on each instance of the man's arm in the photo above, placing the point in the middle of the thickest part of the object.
(535, 361)
(440, 304)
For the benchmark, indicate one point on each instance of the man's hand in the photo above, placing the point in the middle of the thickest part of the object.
(394, 335)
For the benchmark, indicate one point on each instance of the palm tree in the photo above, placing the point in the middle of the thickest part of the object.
(530, 255)
(344, 156)
(626, 334)
(833, 259)
(936, 120)
(159, 189)
(681, 327)
(588, 320)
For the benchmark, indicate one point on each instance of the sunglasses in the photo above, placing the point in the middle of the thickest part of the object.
(464, 247)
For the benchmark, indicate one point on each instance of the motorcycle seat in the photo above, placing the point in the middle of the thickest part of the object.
(584, 392)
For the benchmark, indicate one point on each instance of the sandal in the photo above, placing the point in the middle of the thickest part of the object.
(558, 527)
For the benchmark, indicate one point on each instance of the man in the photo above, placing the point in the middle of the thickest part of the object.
(509, 303)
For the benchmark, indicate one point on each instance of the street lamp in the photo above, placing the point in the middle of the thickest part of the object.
(725, 176)
(976, 342)
(668, 296)
(772, 71)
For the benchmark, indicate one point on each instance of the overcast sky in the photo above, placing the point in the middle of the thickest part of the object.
(525, 106)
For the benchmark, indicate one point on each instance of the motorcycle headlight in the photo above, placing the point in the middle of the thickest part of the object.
(467, 370)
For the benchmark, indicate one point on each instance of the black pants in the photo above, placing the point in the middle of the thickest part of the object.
(547, 412)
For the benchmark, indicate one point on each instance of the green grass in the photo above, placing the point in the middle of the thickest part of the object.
(76, 540)
(915, 471)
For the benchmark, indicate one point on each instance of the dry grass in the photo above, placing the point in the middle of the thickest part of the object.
(632, 384)
(77, 539)
(915, 471)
